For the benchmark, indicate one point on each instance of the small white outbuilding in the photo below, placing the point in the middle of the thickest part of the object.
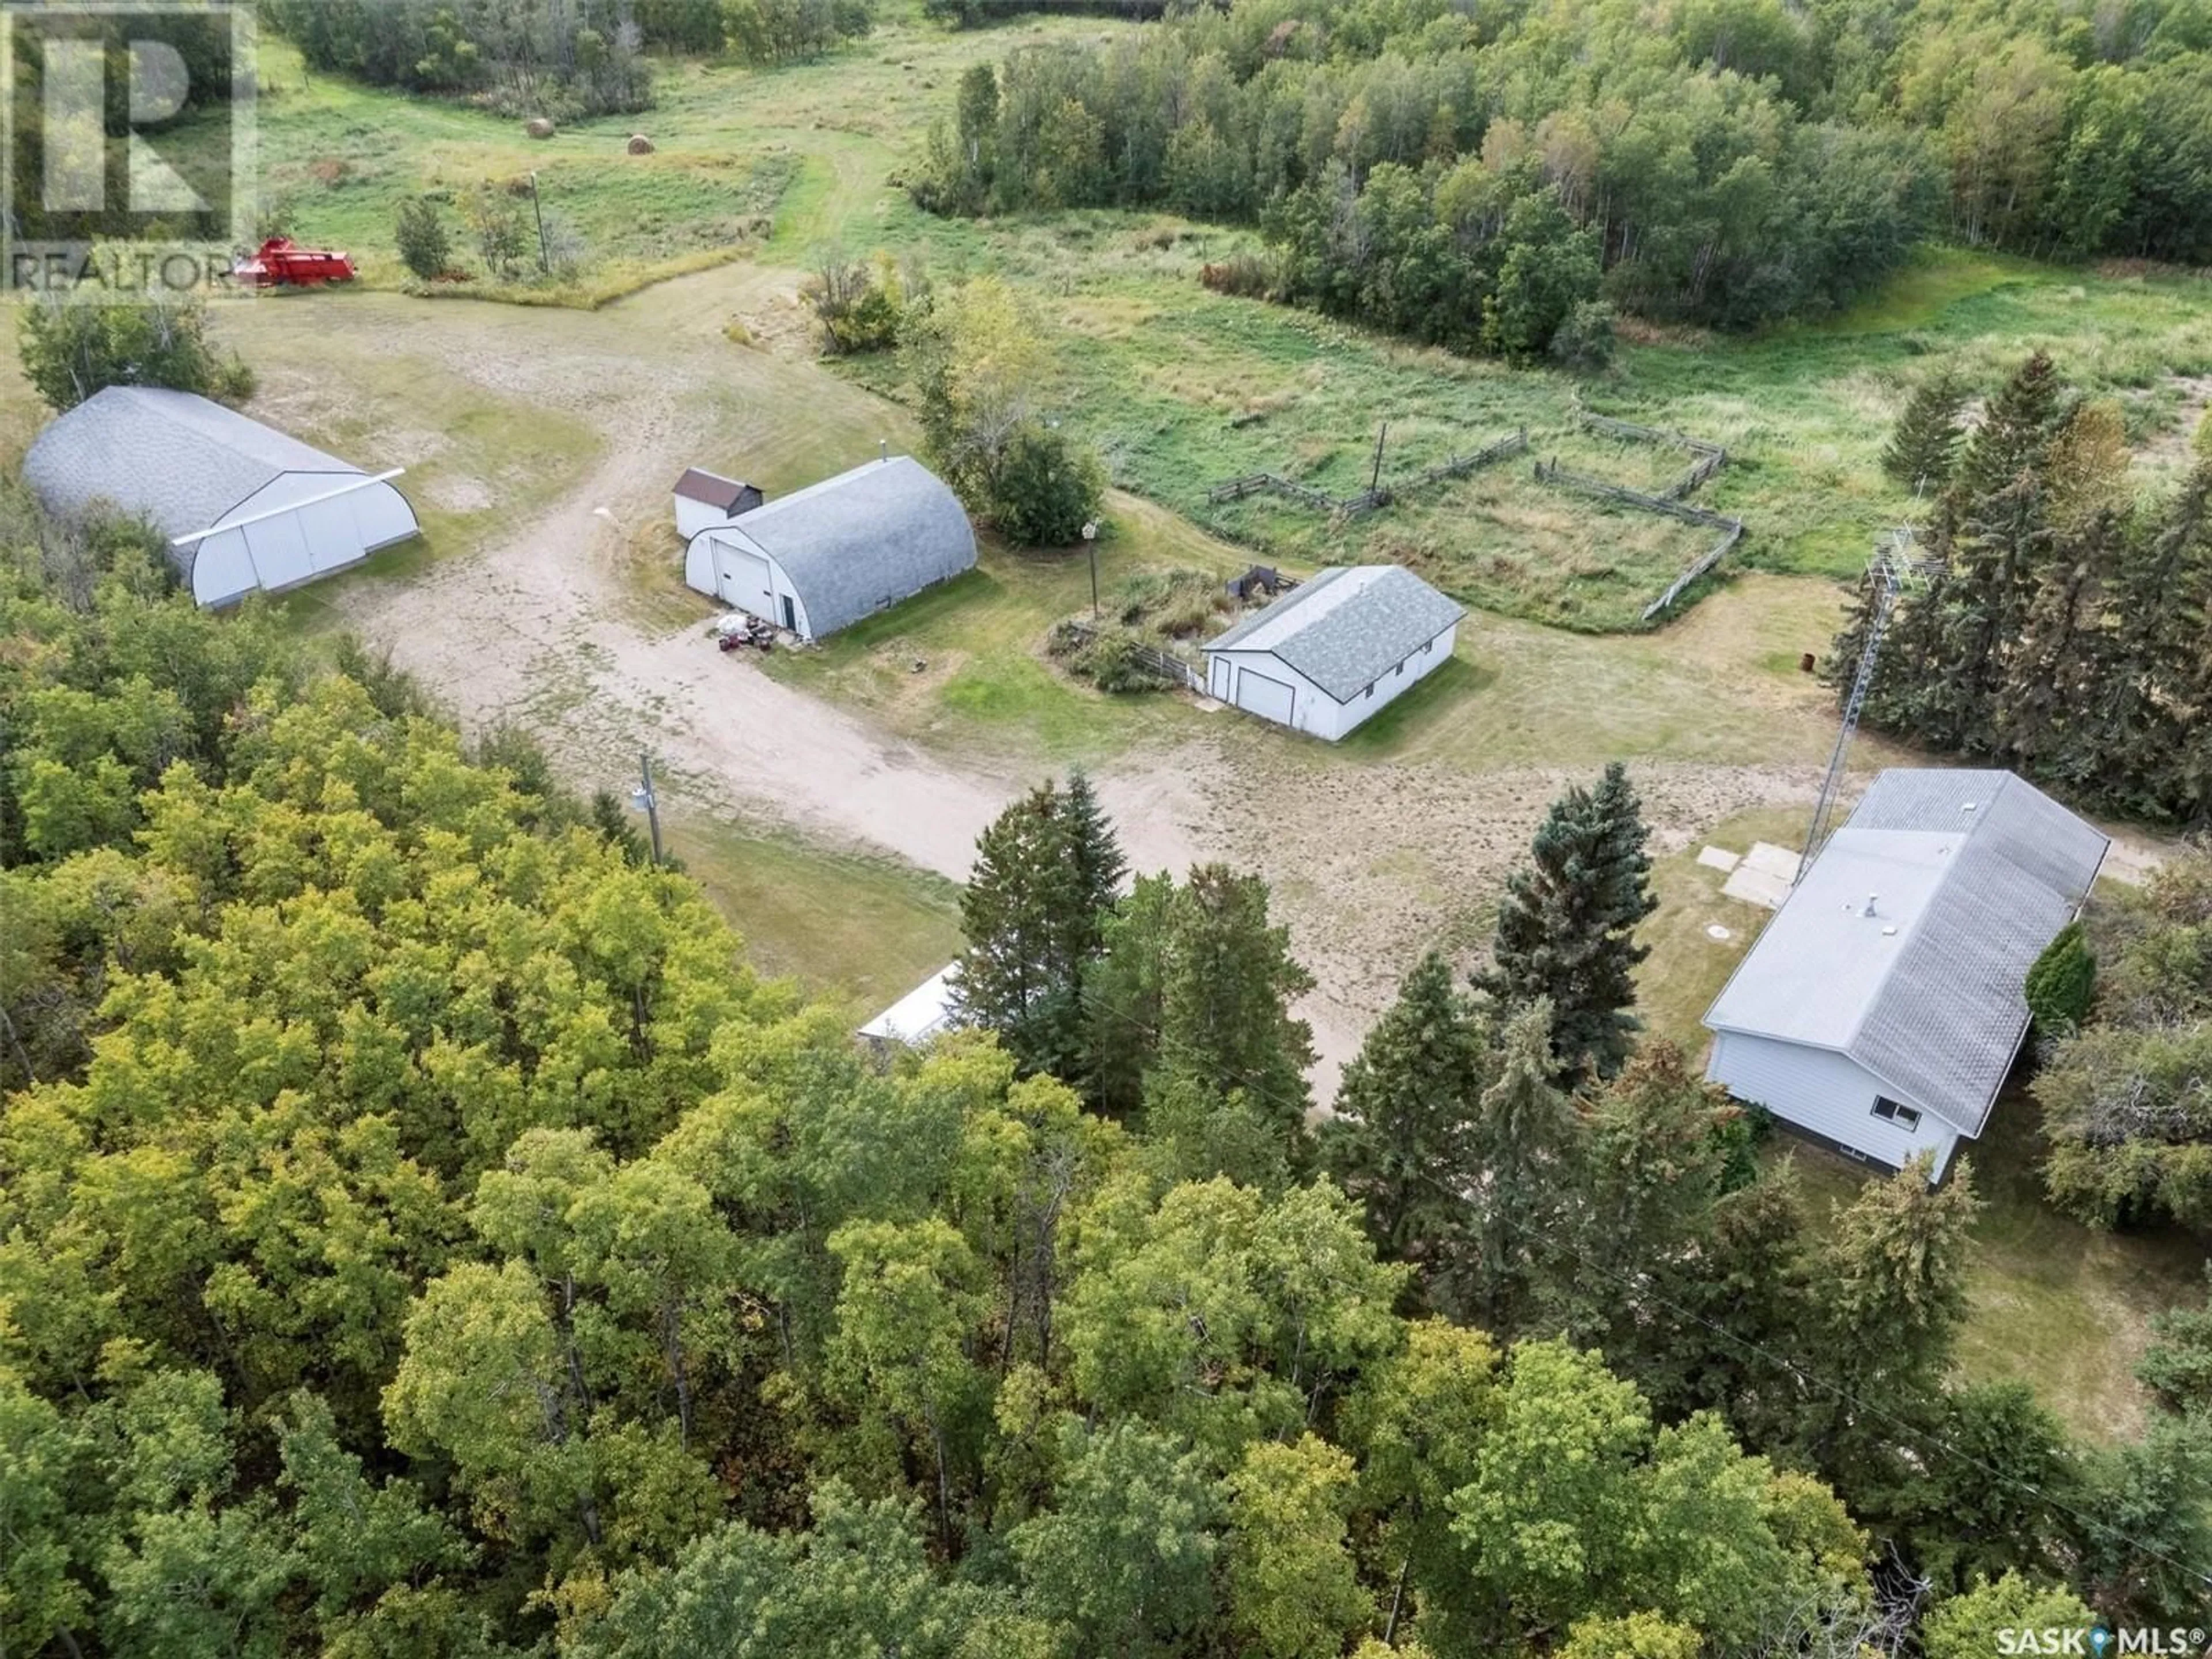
(1329, 653)
(925, 1011)
(820, 560)
(1882, 1008)
(246, 508)
(704, 499)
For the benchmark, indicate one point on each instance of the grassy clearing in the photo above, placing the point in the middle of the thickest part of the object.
(861, 928)
(963, 664)
(1181, 387)
(2061, 1307)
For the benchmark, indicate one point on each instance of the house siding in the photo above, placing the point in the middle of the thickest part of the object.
(1829, 1096)
(1317, 713)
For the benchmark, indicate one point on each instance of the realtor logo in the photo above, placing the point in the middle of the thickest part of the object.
(128, 158)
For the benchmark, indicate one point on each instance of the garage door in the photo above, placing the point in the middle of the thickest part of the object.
(280, 551)
(745, 581)
(1264, 696)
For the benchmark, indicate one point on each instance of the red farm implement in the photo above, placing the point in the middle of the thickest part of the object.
(279, 263)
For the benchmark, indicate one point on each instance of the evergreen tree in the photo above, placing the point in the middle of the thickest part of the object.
(1399, 1142)
(1892, 1296)
(1095, 851)
(1566, 926)
(1033, 913)
(2016, 430)
(1924, 447)
(1520, 1146)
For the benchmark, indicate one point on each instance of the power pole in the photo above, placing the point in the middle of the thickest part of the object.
(1090, 543)
(544, 256)
(1375, 482)
(646, 801)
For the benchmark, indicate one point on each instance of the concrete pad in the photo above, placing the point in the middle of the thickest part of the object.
(1756, 887)
(1719, 858)
(1771, 861)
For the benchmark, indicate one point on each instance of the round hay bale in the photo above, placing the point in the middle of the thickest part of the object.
(640, 144)
(538, 126)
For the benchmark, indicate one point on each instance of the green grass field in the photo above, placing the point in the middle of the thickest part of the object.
(1181, 388)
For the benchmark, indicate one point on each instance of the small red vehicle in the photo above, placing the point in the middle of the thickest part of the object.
(281, 263)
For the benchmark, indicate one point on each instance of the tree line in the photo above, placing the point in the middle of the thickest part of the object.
(2058, 624)
(1483, 177)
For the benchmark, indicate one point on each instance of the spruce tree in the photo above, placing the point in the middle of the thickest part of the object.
(1521, 1144)
(1566, 926)
(1096, 853)
(1399, 1142)
(1925, 446)
(1033, 914)
(2016, 431)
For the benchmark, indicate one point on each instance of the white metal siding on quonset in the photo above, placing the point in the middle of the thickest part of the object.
(1828, 1093)
(297, 527)
(727, 563)
(1256, 681)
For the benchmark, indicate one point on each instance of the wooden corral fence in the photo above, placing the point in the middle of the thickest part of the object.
(1551, 472)
(1452, 466)
(1711, 456)
(1170, 667)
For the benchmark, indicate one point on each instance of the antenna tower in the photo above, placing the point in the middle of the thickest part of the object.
(1893, 571)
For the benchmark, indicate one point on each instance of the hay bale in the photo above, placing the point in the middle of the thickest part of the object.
(539, 126)
(640, 144)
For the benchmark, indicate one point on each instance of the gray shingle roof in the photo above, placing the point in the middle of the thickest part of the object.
(181, 461)
(863, 539)
(1347, 627)
(1971, 874)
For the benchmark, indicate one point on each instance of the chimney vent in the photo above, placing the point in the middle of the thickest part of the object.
(1871, 897)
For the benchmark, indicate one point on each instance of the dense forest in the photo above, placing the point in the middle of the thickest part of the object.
(420, 1234)
(2059, 621)
(1483, 173)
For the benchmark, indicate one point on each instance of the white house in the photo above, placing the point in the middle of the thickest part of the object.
(703, 499)
(244, 506)
(1882, 1009)
(1331, 652)
(836, 551)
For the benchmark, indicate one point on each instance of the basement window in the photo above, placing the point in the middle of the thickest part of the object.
(1891, 1112)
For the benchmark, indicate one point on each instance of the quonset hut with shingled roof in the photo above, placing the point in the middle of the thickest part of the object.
(1880, 1012)
(821, 559)
(244, 507)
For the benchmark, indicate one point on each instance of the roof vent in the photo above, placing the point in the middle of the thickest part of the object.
(1889, 932)
(1871, 897)
(1968, 807)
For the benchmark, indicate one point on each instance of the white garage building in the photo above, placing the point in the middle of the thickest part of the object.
(1330, 653)
(820, 560)
(246, 508)
(1881, 1009)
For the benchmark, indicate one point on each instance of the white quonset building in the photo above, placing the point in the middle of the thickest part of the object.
(820, 560)
(246, 507)
(1881, 1009)
(1334, 650)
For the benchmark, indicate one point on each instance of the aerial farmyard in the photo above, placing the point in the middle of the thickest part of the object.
(1062, 828)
